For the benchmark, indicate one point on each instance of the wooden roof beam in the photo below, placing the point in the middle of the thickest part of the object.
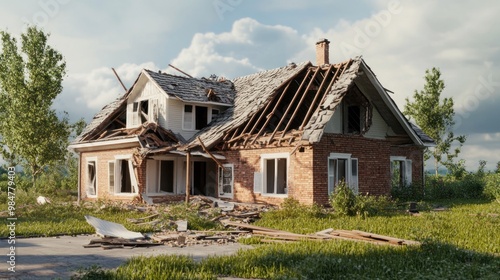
(272, 112)
(300, 102)
(311, 108)
(289, 106)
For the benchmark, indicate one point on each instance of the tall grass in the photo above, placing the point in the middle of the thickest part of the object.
(460, 243)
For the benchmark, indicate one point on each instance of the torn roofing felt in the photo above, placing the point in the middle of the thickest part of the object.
(253, 93)
(194, 89)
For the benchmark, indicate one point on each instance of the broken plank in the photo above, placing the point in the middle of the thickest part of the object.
(163, 238)
(288, 234)
(380, 237)
(251, 227)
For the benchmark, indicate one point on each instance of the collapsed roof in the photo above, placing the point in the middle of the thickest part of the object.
(288, 106)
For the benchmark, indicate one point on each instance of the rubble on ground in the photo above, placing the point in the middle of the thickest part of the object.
(236, 219)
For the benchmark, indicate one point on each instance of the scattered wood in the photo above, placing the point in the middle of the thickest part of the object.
(269, 234)
(107, 243)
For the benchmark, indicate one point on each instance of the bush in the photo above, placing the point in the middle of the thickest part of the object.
(492, 186)
(343, 200)
(414, 191)
(346, 203)
(469, 186)
(370, 205)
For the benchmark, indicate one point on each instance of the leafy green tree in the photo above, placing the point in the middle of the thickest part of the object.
(498, 168)
(435, 117)
(30, 79)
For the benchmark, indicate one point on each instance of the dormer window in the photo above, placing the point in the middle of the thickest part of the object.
(140, 110)
(195, 117)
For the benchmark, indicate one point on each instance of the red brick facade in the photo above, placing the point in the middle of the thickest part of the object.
(307, 174)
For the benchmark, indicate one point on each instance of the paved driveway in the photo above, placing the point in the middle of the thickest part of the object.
(49, 258)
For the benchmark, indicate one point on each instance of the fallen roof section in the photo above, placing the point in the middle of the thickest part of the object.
(110, 229)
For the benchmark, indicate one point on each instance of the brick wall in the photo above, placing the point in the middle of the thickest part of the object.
(416, 155)
(102, 159)
(247, 162)
(373, 163)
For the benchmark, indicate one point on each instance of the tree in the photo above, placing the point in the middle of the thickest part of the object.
(436, 119)
(30, 79)
(497, 170)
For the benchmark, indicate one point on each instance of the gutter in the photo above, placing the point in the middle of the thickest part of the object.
(79, 178)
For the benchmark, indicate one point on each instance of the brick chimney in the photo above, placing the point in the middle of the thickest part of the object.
(322, 52)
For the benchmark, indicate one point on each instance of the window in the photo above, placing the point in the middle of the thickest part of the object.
(111, 176)
(124, 180)
(195, 117)
(167, 176)
(201, 117)
(226, 180)
(140, 112)
(342, 168)
(188, 117)
(215, 113)
(401, 171)
(91, 178)
(275, 177)
(354, 119)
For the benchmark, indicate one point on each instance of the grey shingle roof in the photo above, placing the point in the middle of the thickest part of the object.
(101, 117)
(194, 89)
(421, 134)
(252, 94)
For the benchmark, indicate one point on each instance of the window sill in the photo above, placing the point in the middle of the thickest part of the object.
(125, 194)
(274, 195)
(161, 194)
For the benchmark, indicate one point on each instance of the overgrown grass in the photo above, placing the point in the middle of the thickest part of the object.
(459, 243)
(67, 218)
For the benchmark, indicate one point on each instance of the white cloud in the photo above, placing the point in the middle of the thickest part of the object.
(249, 47)
(89, 92)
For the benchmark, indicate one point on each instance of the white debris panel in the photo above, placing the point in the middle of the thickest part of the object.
(110, 229)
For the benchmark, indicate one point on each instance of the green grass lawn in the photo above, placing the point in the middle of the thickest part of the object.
(462, 242)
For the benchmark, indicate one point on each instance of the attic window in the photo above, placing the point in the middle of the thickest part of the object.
(353, 119)
(140, 110)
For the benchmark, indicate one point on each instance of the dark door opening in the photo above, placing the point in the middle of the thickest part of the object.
(199, 177)
(126, 186)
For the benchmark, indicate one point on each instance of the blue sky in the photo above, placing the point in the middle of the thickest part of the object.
(398, 39)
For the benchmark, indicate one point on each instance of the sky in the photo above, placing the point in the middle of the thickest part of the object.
(398, 39)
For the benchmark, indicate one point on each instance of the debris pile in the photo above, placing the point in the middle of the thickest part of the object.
(236, 217)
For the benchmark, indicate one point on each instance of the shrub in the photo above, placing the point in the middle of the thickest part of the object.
(492, 186)
(369, 205)
(468, 186)
(414, 191)
(343, 200)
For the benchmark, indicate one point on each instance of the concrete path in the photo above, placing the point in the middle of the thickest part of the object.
(60, 257)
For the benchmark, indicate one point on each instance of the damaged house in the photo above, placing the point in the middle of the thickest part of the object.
(295, 131)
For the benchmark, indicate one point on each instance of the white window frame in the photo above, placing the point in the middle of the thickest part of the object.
(407, 168)
(221, 184)
(193, 118)
(351, 179)
(111, 173)
(133, 179)
(87, 183)
(263, 168)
